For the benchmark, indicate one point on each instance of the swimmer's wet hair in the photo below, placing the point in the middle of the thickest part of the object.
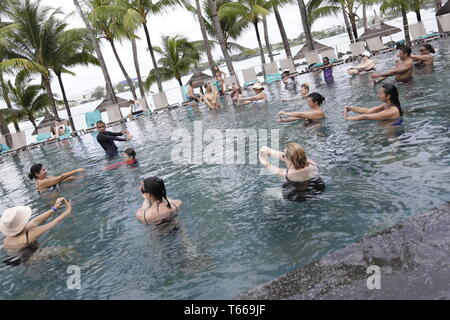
(155, 186)
(405, 49)
(316, 97)
(99, 122)
(428, 47)
(391, 90)
(296, 155)
(130, 152)
(35, 169)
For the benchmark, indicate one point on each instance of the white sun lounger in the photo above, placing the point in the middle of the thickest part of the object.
(444, 20)
(288, 63)
(357, 48)
(375, 45)
(229, 81)
(312, 57)
(3, 140)
(18, 140)
(114, 114)
(160, 101)
(249, 77)
(419, 34)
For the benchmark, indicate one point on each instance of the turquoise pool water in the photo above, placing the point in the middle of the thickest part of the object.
(234, 231)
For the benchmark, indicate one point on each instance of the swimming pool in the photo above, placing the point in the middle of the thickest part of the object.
(234, 231)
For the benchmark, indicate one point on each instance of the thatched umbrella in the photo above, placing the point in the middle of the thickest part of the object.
(318, 47)
(48, 121)
(379, 30)
(444, 10)
(198, 79)
(107, 102)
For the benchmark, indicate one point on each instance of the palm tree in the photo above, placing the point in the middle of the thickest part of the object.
(108, 83)
(4, 94)
(416, 5)
(32, 44)
(145, 8)
(74, 48)
(109, 24)
(29, 99)
(220, 36)
(284, 38)
(266, 39)
(403, 7)
(177, 57)
(249, 10)
(305, 24)
(197, 10)
(232, 28)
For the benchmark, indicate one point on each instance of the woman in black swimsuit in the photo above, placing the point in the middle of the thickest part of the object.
(157, 208)
(22, 233)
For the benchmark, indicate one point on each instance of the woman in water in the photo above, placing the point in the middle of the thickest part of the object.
(314, 100)
(236, 93)
(301, 174)
(21, 233)
(327, 70)
(304, 90)
(46, 183)
(259, 97)
(157, 208)
(211, 97)
(425, 58)
(219, 75)
(390, 108)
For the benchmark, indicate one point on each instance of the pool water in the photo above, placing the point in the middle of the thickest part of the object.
(234, 231)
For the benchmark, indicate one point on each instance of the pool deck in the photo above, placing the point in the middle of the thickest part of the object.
(413, 256)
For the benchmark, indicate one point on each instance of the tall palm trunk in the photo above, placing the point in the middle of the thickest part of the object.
(220, 36)
(48, 88)
(6, 99)
(109, 87)
(419, 17)
(287, 47)
(4, 130)
(364, 9)
(437, 6)
(152, 55)
(125, 73)
(138, 72)
(205, 36)
(66, 103)
(266, 39)
(33, 122)
(305, 24)
(352, 17)
(179, 82)
(258, 37)
(406, 27)
(347, 23)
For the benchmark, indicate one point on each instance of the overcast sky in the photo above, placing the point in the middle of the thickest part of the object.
(177, 21)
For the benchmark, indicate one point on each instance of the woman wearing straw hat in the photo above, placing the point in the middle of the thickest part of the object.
(21, 233)
(259, 97)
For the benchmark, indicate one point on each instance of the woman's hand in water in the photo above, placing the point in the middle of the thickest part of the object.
(125, 132)
(265, 151)
(59, 202)
(129, 137)
(68, 205)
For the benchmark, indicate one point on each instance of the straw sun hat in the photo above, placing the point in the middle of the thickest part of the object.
(13, 220)
(257, 86)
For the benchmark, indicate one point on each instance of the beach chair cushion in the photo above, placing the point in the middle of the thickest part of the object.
(41, 137)
(4, 148)
(184, 93)
(92, 118)
(430, 35)
(271, 78)
(248, 83)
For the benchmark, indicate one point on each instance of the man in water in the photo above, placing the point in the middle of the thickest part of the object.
(404, 69)
(106, 139)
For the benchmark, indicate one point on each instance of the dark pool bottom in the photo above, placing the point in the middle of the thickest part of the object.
(413, 257)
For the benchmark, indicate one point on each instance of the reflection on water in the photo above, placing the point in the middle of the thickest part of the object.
(235, 229)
